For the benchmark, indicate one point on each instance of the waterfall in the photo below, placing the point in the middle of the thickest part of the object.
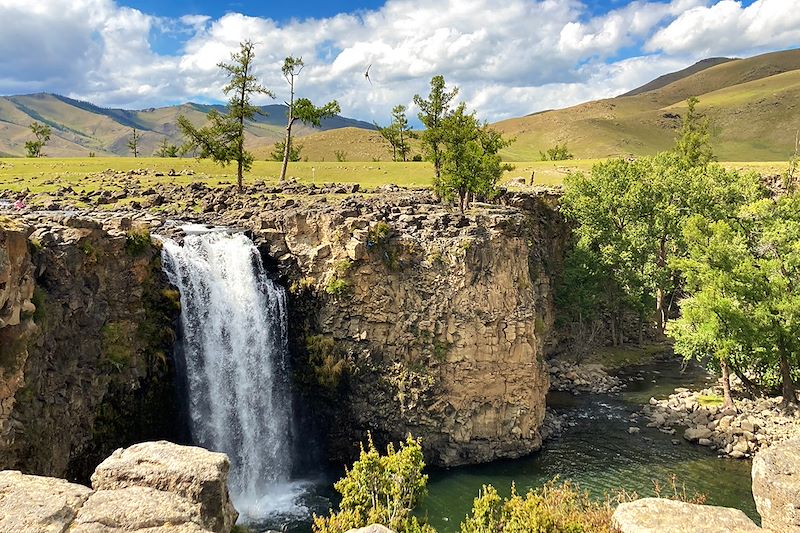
(234, 344)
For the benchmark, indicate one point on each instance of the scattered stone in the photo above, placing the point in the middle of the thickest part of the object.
(657, 515)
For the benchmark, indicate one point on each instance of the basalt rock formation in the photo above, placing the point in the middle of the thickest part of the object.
(85, 330)
(434, 320)
(406, 316)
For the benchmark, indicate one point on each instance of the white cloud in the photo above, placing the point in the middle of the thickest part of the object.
(509, 58)
(728, 28)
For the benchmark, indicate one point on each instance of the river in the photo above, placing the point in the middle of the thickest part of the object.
(596, 451)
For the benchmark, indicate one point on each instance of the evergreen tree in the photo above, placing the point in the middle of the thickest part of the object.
(223, 138)
(165, 149)
(432, 111)
(133, 142)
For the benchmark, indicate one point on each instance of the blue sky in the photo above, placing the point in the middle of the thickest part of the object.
(509, 57)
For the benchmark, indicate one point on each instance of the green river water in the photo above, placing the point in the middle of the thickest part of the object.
(595, 450)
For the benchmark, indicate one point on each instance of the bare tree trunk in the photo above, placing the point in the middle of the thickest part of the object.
(726, 384)
(287, 145)
(789, 395)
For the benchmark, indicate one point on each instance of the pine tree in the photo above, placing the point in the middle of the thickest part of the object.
(223, 138)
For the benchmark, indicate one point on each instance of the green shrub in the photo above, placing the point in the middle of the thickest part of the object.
(338, 287)
(117, 343)
(380, 489)
(555, 508)
(138, 241)
(328, 362)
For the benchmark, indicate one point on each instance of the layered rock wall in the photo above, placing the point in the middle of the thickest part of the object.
(442, 316)
(86, 330)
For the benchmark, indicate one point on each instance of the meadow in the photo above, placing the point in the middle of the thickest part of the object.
(48, 174)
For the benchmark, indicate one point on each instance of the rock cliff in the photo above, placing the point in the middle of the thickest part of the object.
(85, 330)
(407, 316)
(437, 318)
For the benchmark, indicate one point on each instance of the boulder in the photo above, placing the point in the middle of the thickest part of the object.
(36, 503)
(695, 434)
(657, 515)
(137, 509)
(374, 528)
(187, 471)
(776, 485)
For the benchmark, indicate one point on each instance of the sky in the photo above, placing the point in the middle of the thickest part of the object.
(508, 57)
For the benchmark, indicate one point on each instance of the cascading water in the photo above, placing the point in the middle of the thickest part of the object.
(235, 349)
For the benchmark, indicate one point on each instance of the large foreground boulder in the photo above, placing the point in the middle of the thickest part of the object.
(36, 503)
(154, 487)
(776, 486)
(658, 515)
(137, 509)
(187, 471)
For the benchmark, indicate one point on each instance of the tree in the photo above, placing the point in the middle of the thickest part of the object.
(432, 111)
(470, 163)
(398, 133)
(133, 142)
(279, 151)
(166, 149)
(302, 109)
(380, 489)
(693, 142)
(557, 153)
(743, 310)
(41, 134)
(223, 138)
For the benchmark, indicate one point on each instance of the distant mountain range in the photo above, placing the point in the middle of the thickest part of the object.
(81, 127)
(753, 105)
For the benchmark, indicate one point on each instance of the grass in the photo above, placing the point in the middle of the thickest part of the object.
(618, 357)
(710, 400)
(45, 175)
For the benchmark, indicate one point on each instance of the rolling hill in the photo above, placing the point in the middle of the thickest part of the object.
(81, 127)
(753, 106)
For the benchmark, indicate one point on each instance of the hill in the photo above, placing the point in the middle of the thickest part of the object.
(81, 127)
(751, 104)
(353, 144)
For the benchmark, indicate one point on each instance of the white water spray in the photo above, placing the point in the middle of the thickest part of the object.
(235, 348)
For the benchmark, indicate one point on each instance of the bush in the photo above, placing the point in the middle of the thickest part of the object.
(555, 508)
(380, 489)
(327, 361)
(137, 241)
(557, 153)
(338, 287)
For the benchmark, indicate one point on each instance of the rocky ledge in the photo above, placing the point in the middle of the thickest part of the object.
(776, 490)
(151, 487)
(736, 432)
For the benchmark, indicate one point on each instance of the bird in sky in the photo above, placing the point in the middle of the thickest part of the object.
(366, 74)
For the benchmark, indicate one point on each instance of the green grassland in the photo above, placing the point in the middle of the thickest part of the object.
(48, 174)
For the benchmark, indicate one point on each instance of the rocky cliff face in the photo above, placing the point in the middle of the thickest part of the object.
(85, 328)
(437, 319)
(407, 316)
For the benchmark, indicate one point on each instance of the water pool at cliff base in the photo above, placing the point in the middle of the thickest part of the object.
(596, 451)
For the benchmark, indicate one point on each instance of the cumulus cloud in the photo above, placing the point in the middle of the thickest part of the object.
(509, 58)
(727, 28)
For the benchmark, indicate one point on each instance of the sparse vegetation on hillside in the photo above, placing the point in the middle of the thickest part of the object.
(559, 152)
